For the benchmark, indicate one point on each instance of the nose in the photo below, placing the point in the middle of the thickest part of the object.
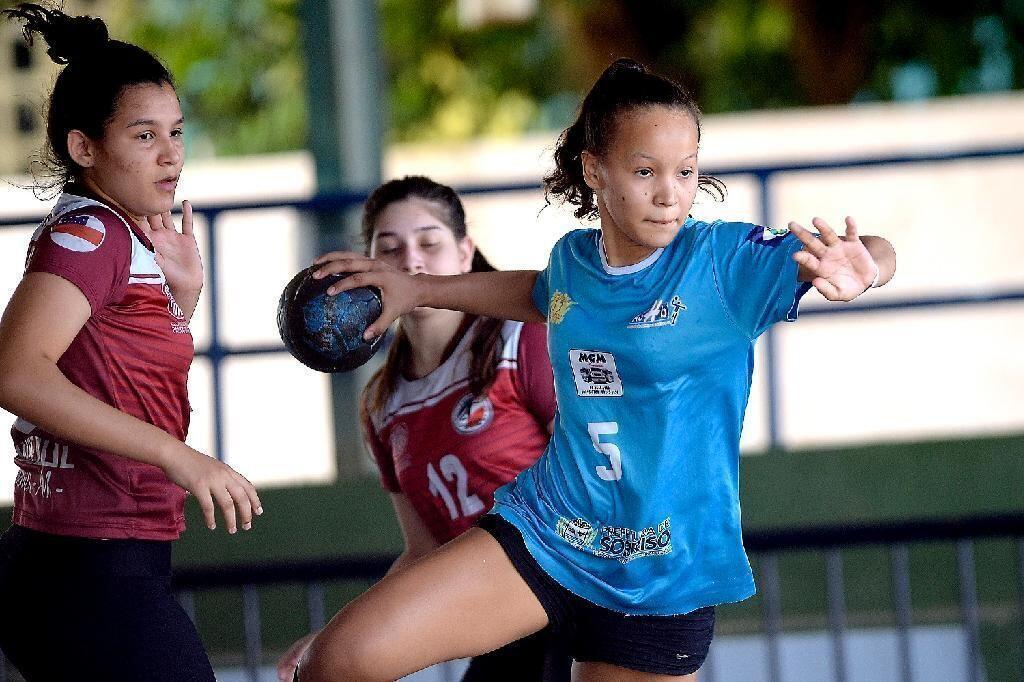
(411, 260)
(666, 194)
(170, 152)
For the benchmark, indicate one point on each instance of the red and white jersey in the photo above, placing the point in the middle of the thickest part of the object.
(134, 354)
(448, 452)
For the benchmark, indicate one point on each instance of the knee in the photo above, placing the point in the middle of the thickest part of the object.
(341, 653)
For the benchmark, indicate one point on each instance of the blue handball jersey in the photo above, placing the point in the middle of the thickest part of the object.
(634, 504)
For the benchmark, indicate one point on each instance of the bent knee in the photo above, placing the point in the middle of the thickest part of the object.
(342, 653)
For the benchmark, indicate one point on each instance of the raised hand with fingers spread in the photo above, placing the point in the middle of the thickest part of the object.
(841, 269)
(177, 254)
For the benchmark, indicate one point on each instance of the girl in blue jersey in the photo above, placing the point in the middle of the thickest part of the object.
(625, 534)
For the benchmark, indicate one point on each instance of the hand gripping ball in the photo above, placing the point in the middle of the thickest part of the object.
(324, 332)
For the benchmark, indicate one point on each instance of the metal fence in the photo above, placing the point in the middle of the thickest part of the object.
(766, 547)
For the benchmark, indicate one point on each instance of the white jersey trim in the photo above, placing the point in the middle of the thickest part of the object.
(452, 375)
(625, 269)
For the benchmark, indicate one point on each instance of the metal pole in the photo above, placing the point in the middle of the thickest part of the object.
(253, 640)
(902, 603)
(969, 607)
(315, 606)
(216, 351)
(768, 338)
(836, 610)
(772, 613)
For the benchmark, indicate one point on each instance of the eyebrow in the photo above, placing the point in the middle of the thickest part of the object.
(648, 156)
(151, 122)
(422, 228)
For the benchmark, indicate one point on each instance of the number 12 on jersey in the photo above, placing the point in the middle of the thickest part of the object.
(609, 450)
(453, 470)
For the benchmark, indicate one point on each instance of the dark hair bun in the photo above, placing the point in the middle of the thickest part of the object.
(69, 38)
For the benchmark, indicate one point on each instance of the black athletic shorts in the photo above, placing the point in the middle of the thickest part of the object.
(84, 609)
(536, 658)
(665, 645)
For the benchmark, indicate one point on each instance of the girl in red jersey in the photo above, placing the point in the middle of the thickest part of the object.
(461, 405)
(95, 350)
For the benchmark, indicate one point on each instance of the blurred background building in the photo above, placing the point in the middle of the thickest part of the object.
(862, 108)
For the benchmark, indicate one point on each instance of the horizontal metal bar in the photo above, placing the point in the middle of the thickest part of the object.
(352, 197)
(845, 535)
(919, 302)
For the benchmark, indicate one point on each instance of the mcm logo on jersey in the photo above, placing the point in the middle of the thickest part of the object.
(472, 414)
(595, 374)
(659, 314)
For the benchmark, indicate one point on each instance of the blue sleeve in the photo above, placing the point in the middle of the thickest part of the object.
(756, 275)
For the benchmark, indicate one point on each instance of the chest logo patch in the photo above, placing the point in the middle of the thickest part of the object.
(81, 233)
(472, 414)
(559, 306)
(659, 314)
(595, 374)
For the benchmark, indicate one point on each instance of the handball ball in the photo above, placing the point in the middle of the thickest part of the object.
(324, 332)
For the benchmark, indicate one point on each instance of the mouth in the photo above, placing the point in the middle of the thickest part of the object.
(168, 184)
(664, 223)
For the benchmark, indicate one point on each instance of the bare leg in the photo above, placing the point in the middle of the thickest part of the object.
(464, 599)
(605, 672)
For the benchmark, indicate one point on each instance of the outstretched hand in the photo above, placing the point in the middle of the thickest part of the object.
(177, 253)
(841, 269)
(399, 290)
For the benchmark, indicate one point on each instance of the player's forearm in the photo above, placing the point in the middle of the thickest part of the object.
(503, 294)
(37, 391)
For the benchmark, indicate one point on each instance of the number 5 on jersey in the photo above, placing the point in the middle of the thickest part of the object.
(609, 450)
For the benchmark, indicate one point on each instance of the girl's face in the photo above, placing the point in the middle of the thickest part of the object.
(138, 161)
(409, 235)
(645, 182)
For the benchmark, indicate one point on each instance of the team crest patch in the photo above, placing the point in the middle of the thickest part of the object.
(472, 414)
(399, 440)
(559, 306)
(660, 314)
(595, 374)
(579, 533)
(81, 233)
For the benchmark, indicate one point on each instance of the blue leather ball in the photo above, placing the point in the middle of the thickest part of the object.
(324, 332)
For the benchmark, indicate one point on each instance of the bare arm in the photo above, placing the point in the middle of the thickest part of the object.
(418, 540)
(505, 295)
(32, 340)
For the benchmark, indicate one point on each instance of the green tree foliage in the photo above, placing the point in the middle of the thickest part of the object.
(238, 66)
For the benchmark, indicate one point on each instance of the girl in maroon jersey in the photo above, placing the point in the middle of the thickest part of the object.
(461, 405)
(95, 349)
